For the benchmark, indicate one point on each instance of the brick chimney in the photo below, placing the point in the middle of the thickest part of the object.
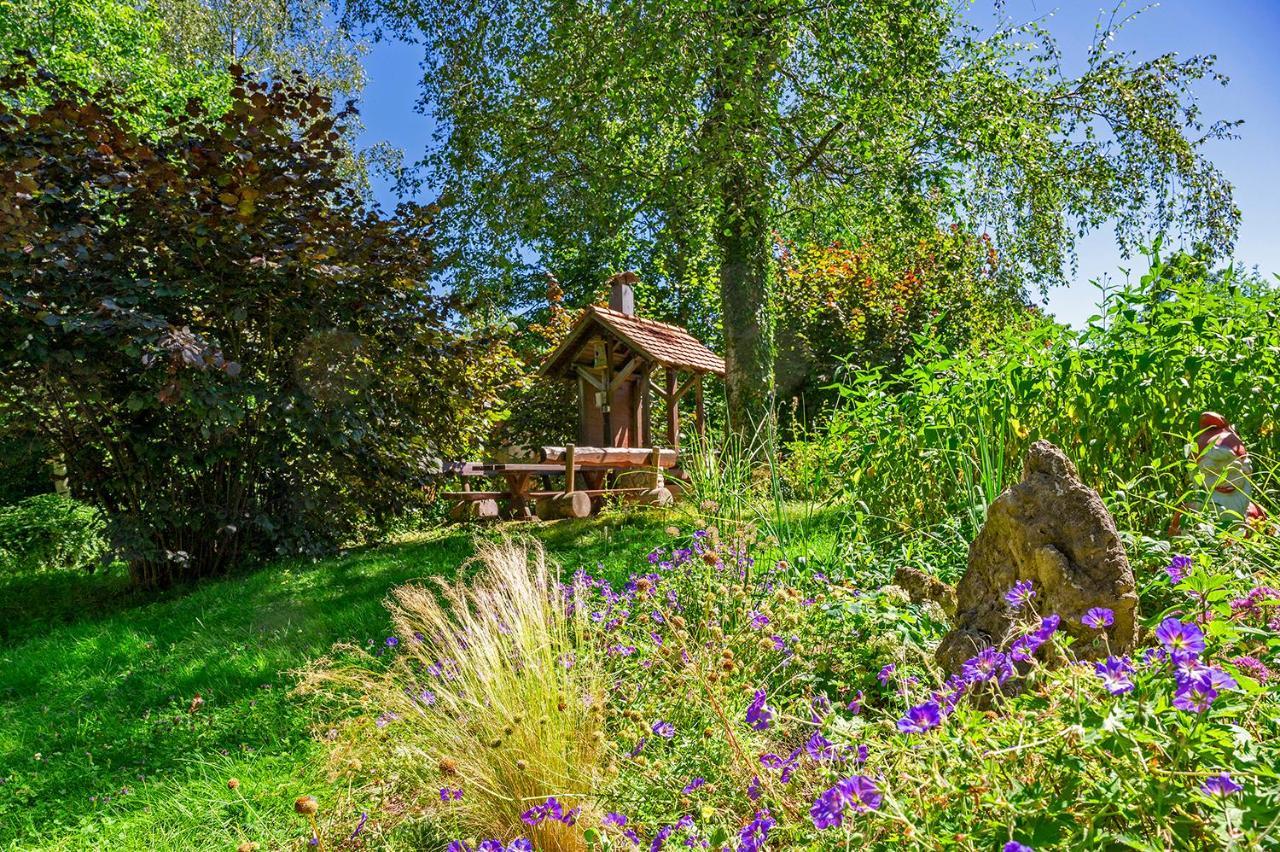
(622, 298)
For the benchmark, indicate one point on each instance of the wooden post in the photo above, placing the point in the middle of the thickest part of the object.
(656, 461)
(583, 437)
(568, 469)
(644, 409)
(673, 410)
(700, 412)
(606, 408)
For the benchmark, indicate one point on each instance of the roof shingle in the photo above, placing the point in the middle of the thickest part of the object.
(664, 344)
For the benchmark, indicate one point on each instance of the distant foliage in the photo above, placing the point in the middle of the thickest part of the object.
(49, 532)
(98, 43)
(864, 305)
(539, 411)
(1122, 398)
(236, 356)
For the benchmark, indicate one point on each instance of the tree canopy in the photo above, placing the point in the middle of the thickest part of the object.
(682, 137)
(236, 356)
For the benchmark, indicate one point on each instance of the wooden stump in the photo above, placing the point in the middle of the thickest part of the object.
(570, 504)
(474, 510)
(652, 497)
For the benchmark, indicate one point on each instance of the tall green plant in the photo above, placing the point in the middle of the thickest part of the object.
(1122, 397)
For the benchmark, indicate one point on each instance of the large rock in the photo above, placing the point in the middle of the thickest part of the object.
(1054, 531)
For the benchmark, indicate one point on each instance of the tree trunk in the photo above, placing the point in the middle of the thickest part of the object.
(746, 275)
(743, 107)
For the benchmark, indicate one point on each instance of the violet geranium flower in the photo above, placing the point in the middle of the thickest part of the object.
(1115, 674)
(759, 714)
(921, 718)
(1220, 786)
(1098, 618)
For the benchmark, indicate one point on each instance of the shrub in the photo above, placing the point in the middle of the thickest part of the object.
(236, 355)
(867, 304)
(938, 440)
(487, 701)
(50, 532)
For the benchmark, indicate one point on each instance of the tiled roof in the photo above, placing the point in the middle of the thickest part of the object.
(667, 345)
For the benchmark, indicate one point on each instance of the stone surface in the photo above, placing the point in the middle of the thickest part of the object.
(921, 587)
(1053, 530)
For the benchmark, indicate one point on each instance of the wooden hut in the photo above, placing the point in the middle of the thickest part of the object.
(621, 361)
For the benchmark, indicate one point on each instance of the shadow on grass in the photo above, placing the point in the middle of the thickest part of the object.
(97, 723)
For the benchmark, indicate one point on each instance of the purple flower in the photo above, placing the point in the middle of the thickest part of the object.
(1115, 674)
(886, 673)
(1178, 568)
(758, 620)
(1048, 626)
(550, 809)
(1015, 846)
(1180, 639)
(753, 835)
(450, 795)
(759, 714)
(753, 789)
(1194, 696)
(664, 729)
(1253, 667)
(1025, 647)
(693, 785)
(1220, 785)
(614, 818)
(392, 641)
(1021, 594)
(921, 718)
(788, 766)
(989, 664)
(858, 792)
(1098, 618)
(820, 748)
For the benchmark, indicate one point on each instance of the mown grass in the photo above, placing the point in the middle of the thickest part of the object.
(99, 745)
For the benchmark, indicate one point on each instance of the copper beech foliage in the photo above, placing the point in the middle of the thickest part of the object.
(237, 355)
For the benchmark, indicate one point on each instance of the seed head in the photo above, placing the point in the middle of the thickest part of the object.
(233, 783)
(306, 805)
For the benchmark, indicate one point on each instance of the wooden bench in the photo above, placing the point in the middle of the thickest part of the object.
(593, 464)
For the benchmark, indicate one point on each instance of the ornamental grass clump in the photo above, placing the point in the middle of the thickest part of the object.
(488, 706)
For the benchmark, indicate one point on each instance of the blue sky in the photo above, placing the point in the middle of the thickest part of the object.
(1244, 34)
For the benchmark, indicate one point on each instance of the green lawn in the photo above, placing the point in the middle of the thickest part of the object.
(98, 746)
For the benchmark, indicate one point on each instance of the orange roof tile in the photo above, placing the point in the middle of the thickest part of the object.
(664, 344)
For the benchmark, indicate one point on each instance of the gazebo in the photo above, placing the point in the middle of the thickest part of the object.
(615, 357)
(620, 362)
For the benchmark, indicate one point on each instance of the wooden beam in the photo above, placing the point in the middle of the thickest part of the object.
(684, 388)
(583, 437)
(602, 349)
(625, 372)
(673, 410)
(640, 410)
(590, 377)
(699, 409)
(569, 470)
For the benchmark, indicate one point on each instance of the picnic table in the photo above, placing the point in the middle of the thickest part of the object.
(592, 465)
